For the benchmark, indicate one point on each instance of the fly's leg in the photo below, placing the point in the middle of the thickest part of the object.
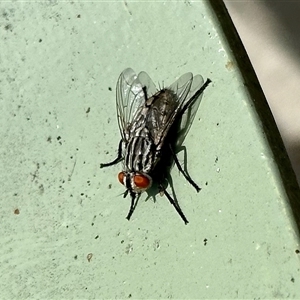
(197, 94)
(133, 204)
(185, 173)
(145, 93)
(174, 203)
(117, 160)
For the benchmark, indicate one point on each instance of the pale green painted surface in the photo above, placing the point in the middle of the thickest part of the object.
(58, 60)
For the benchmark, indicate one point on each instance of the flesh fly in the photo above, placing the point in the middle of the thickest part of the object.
(153, 124)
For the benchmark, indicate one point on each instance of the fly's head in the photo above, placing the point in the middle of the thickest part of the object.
(135, 182)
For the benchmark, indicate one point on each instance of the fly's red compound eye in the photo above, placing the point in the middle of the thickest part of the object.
(141, 181)
(121, 176)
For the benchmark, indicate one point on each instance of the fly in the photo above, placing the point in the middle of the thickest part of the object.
(153, 124)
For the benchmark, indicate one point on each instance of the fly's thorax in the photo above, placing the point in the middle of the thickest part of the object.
(139, 154)
(135, 181)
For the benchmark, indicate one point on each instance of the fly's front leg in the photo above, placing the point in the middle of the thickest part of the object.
(134, 201)
(184, 173)
(117, 160)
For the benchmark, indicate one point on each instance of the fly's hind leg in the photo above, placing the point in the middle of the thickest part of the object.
(115, 161)
(184, 172)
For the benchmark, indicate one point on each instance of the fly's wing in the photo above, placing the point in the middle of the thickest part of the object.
(147, 82)
(189, 109)
(182, 87)
(130, 98)
(167, 104)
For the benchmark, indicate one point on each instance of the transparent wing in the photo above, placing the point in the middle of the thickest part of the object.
(177, 106)
(167, 104)
(190, 111)
(182, 86)
(147, 82)
(130, 97)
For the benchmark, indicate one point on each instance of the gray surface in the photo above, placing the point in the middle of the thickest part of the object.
(270, 32)
(241, 239)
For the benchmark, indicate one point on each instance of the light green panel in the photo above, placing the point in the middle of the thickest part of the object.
(63, 227)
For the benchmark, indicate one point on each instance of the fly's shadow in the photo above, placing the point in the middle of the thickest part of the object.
(162, 171)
